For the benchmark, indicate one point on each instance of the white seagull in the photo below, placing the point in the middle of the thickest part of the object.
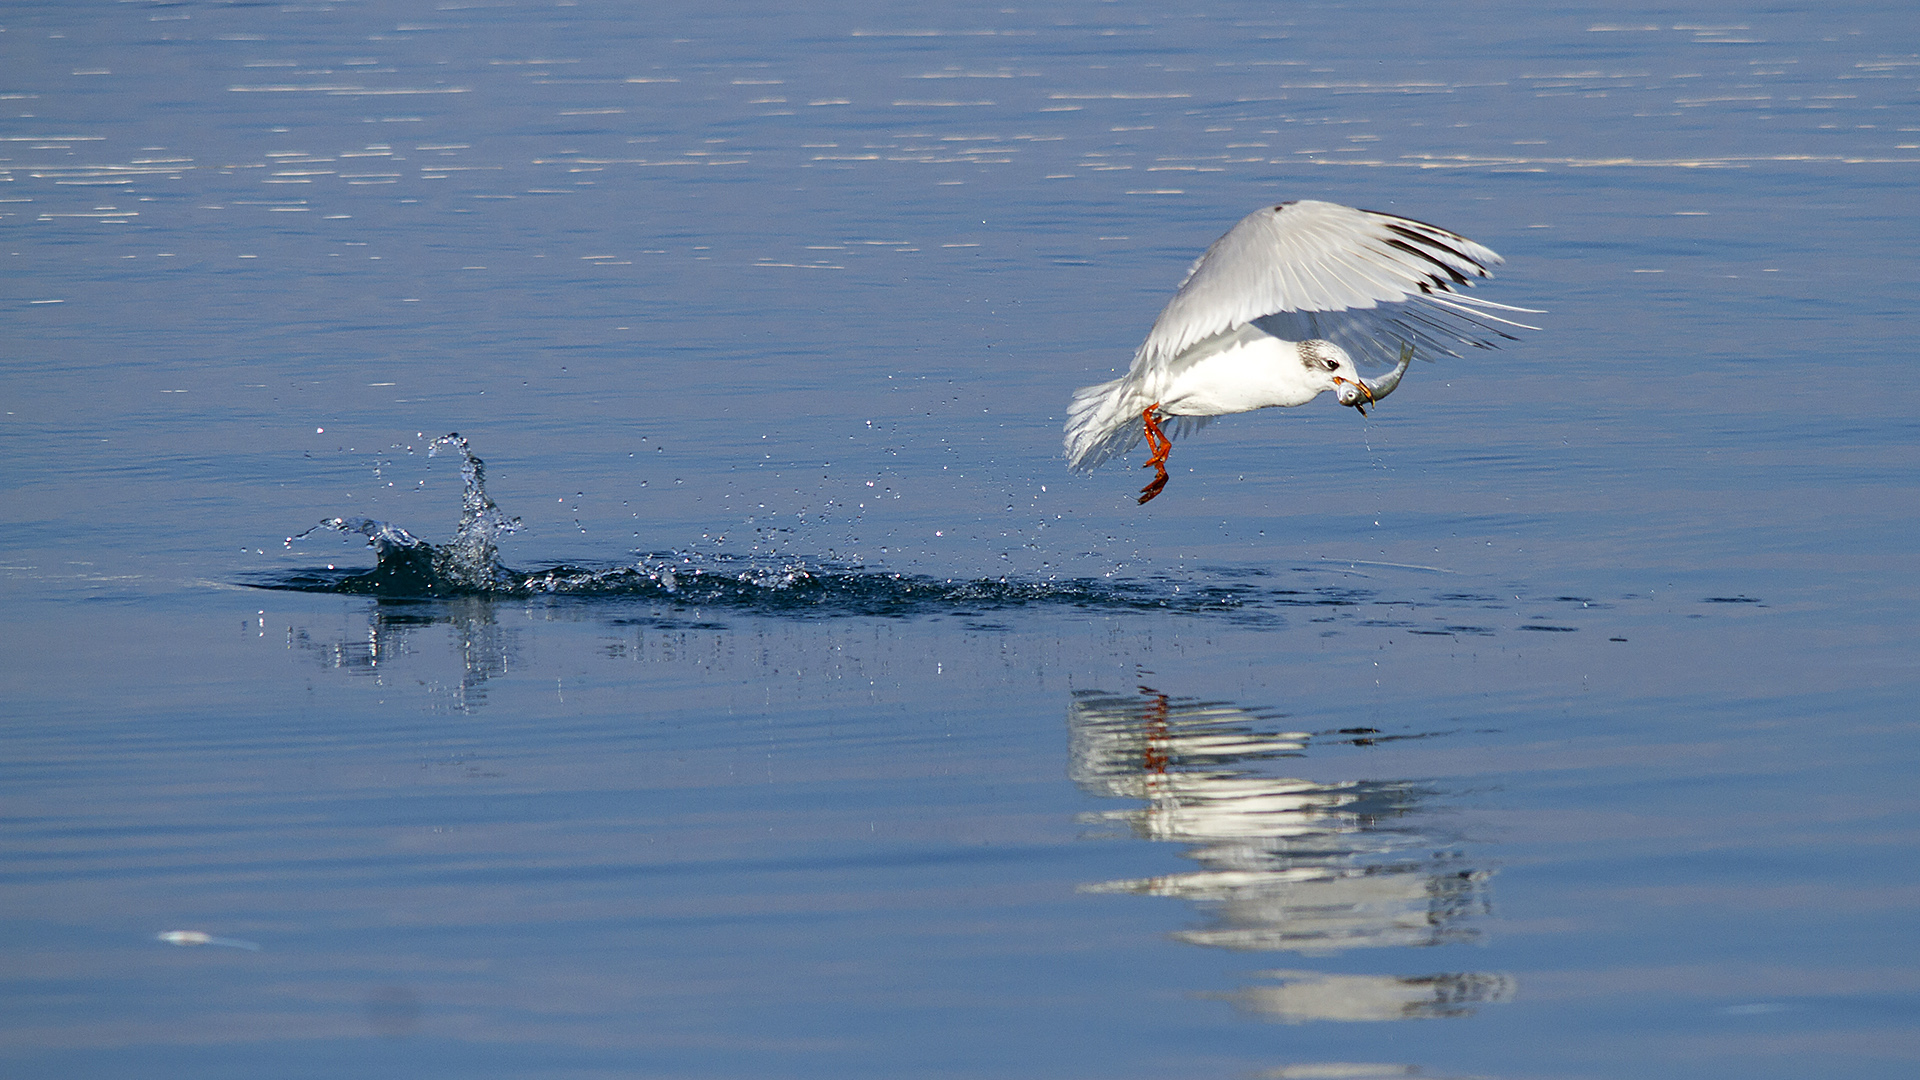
(1276, 312)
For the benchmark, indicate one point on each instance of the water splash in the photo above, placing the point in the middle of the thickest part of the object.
(469, 565)
(405, 565)
(769, 581)
(472, 560)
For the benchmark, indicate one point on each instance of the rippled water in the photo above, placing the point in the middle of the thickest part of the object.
(775, 703)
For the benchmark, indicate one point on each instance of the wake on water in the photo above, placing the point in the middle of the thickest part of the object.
(469, 565)
(409, 568)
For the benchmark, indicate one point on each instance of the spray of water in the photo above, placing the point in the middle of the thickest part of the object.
(471, 561)
(766, 580)
(406, 565)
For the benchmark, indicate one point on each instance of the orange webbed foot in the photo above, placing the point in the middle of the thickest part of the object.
(1160, 444)
(1147, 493)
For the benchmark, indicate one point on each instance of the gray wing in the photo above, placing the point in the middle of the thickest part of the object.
(1366, 281)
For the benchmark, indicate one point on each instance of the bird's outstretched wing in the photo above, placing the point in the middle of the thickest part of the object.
(1366, 281)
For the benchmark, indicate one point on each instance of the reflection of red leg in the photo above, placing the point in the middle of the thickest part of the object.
(1157, 441)
(1159, 736)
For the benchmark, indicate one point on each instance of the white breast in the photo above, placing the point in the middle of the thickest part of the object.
(1236, 372)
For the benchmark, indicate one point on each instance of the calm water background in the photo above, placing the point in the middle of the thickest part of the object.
(1555, 721)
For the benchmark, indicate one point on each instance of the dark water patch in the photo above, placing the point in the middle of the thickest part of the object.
(689, 581)
(1369, 737)
(1232, 572)
(1543, 628)
(668, 622)
(1318, 597)
(1470, 598)
(1731, 600)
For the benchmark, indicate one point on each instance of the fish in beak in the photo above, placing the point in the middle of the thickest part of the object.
(1365, 391)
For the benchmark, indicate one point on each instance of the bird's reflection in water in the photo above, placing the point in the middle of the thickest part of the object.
(1310, 995)
(1285, 864)
(484, 647)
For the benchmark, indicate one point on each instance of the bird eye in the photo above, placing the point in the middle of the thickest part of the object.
(1330, 364)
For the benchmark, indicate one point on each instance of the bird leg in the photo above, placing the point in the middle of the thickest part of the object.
(1160, 444)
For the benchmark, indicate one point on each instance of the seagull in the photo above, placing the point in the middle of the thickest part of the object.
(1278, 311)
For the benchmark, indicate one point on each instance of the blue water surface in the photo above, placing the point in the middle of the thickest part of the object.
(1554, 720)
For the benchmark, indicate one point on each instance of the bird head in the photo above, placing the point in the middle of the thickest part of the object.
(1328, 366)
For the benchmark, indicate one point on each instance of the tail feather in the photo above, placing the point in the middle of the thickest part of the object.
(1101, 423)
(1104, 422)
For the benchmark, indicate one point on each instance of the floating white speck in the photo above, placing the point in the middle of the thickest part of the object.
(201, 937)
